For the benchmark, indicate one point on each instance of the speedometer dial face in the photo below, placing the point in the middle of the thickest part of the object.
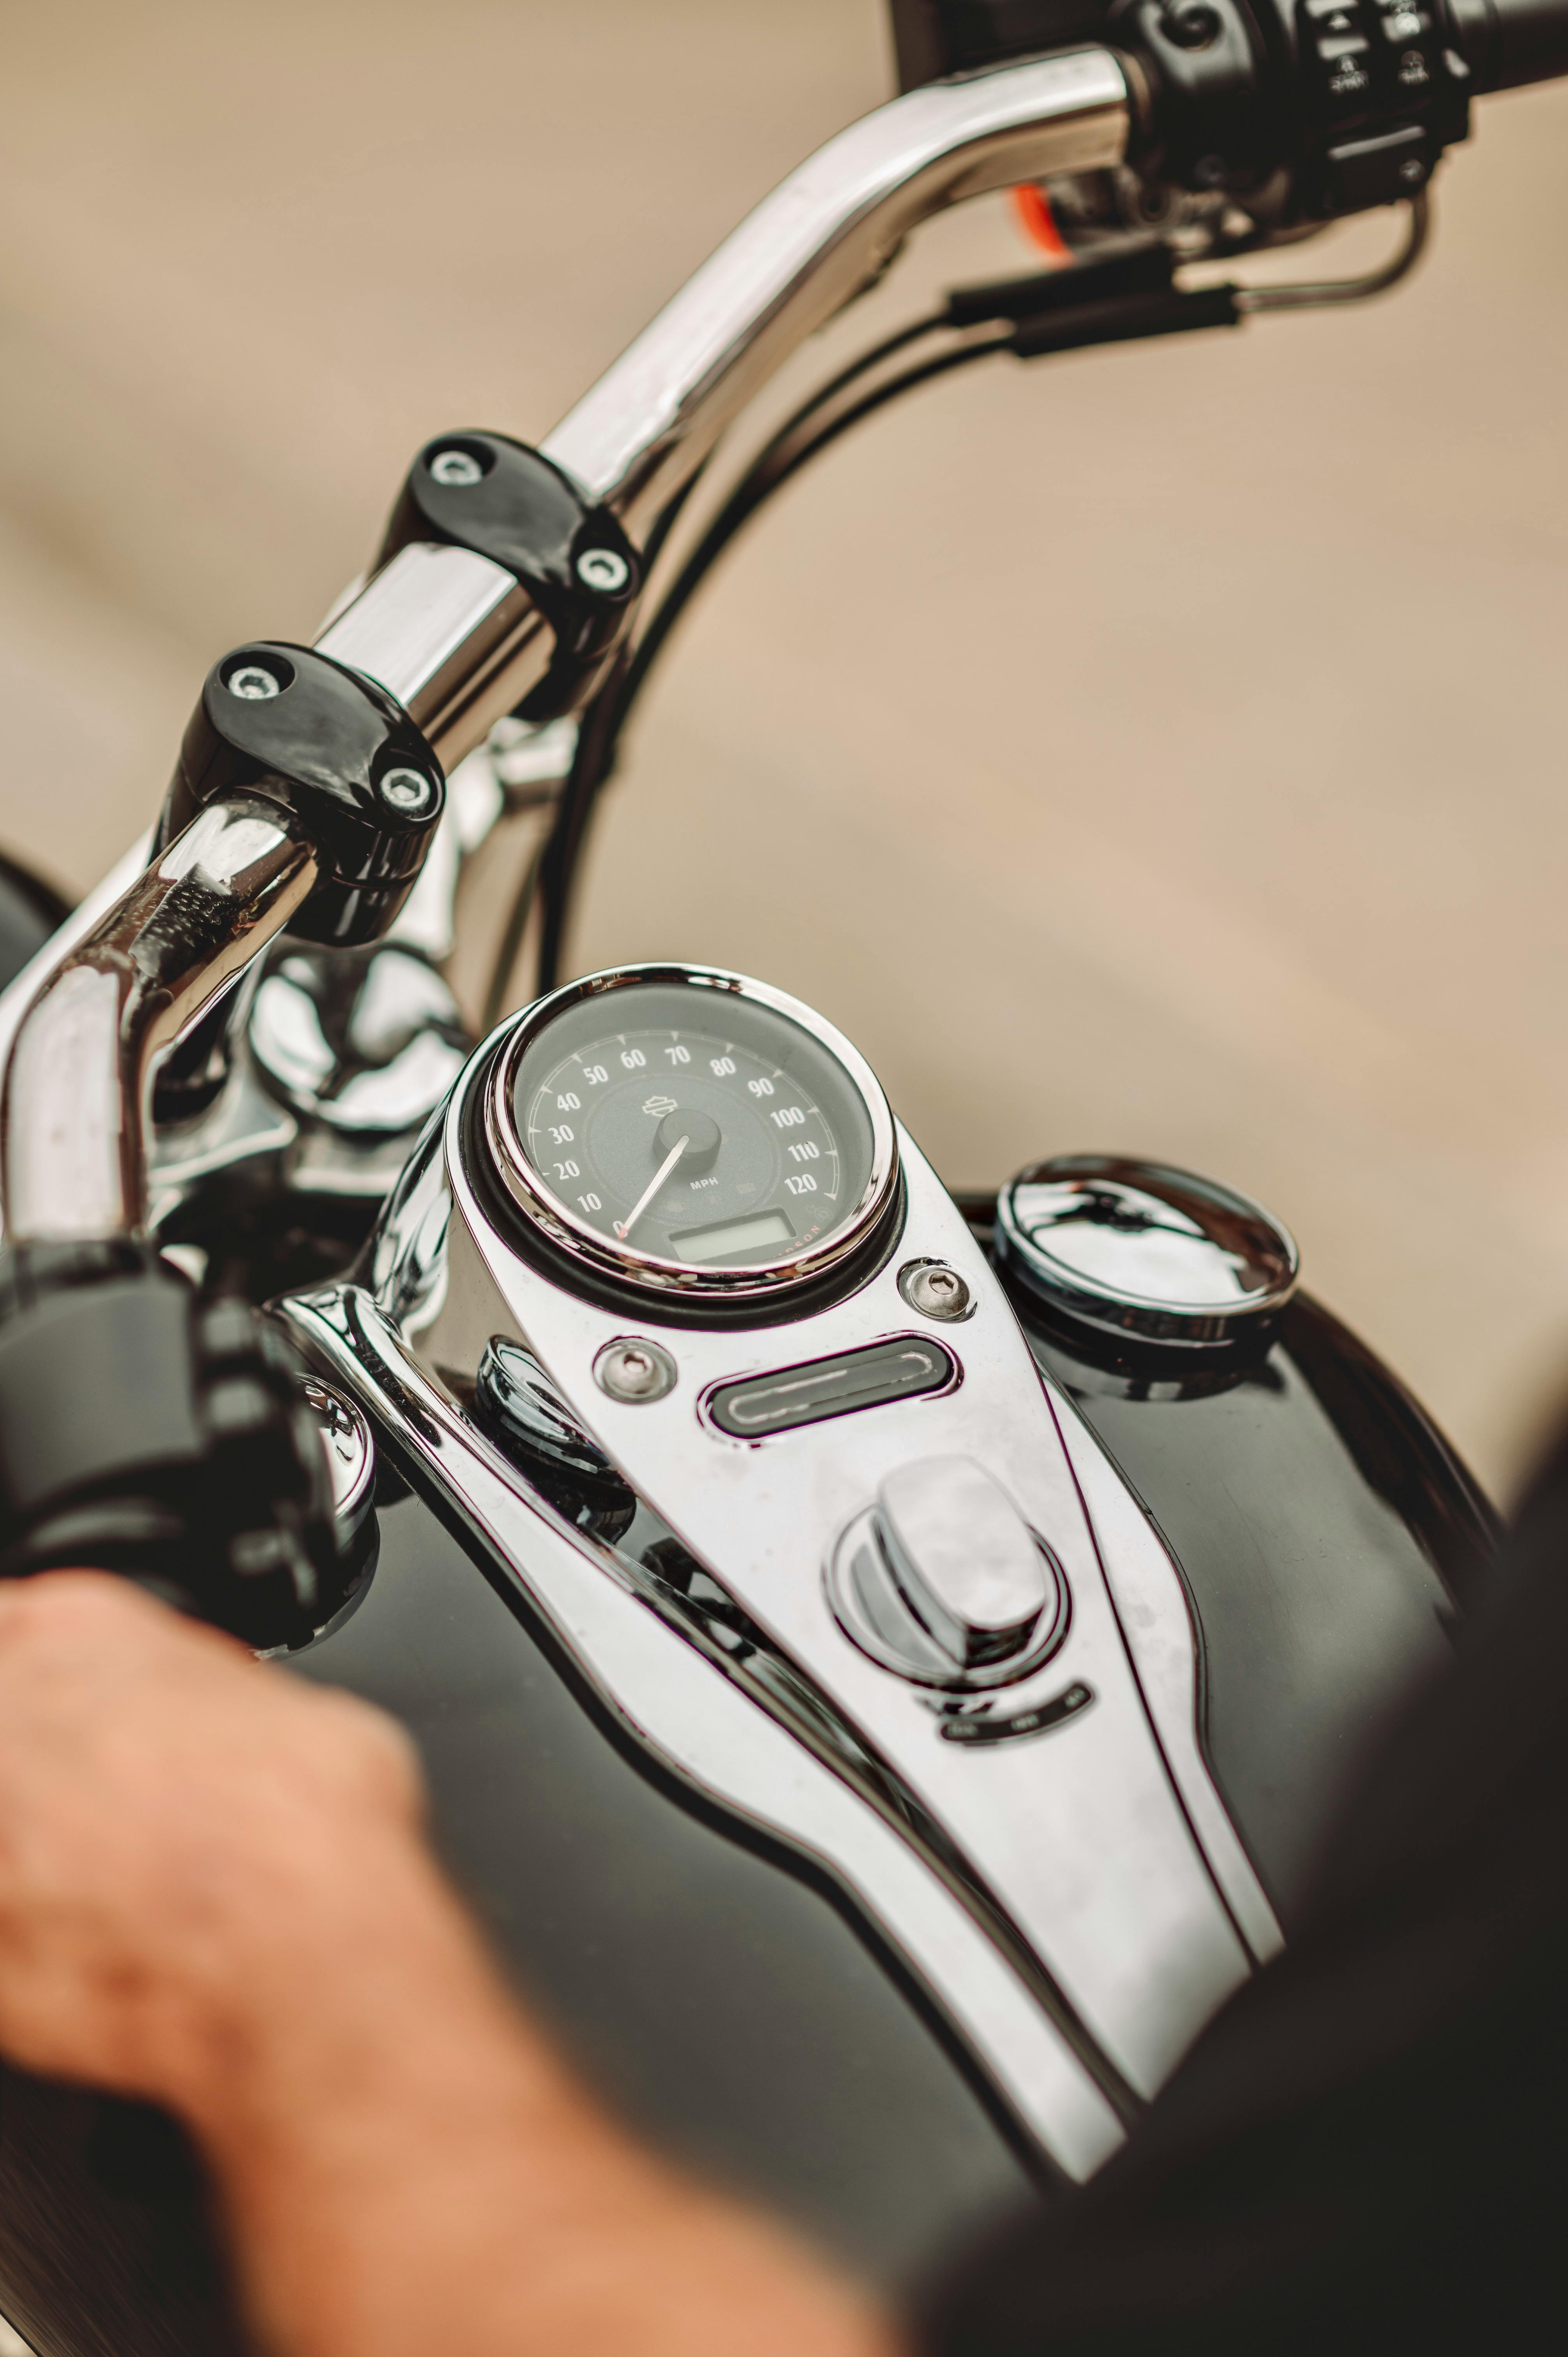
(687, 1128)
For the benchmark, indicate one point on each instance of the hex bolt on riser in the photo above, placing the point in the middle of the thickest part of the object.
(409, 791)
(457, 468)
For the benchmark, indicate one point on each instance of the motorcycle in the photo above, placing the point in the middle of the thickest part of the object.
(884, 1660)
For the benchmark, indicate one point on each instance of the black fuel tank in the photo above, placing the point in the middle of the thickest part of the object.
(718, 1999)
(715, 1995)
(1328, 1537)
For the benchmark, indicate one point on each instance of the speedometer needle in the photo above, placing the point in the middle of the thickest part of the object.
(623, 1228)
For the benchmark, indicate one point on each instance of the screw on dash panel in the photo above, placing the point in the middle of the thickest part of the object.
(935, 1291)
(634, 1371)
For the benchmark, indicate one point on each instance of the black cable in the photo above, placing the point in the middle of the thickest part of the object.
(1038, 304)
(511, 943)
(601, 730)
(1129, 299)
(563, 845)
(1033, 335)
(761, 481)
(529, 883)
(929, 326)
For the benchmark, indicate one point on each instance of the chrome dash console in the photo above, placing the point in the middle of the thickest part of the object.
(673, 1206)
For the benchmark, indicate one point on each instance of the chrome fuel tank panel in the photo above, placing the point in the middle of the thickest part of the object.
(1139, 1951)
(1142, 1952)
(673, 1693)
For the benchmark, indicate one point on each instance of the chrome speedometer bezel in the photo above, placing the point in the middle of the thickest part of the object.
(649, 1273)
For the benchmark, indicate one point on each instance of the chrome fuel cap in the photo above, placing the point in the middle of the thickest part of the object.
(944, 1581)
(1140, 1252)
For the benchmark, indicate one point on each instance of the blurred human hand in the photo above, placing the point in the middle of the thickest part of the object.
(215, 1894)
(181, 1826)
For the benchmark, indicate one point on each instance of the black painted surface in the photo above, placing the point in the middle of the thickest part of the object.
(717, 1999)
(1327, 1535)
(105, 2250)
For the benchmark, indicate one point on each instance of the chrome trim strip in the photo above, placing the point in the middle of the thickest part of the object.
(1150, 1601)
(690, 1716)
(824, 234)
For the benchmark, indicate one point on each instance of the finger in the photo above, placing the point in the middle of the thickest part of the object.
(81, 1617)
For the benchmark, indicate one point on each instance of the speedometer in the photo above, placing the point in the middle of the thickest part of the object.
(686, 1130)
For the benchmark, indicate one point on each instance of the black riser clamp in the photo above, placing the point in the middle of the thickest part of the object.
(285, 724)
(143, 1431)
(140, 1429)
(504, 501)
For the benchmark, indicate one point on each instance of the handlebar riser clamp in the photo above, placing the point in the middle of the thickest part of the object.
(286, 725)
(508, 504)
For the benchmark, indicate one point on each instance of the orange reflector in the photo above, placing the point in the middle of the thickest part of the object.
(1037, 222)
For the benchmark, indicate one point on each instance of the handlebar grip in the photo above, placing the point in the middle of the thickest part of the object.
(147, 1432)
(1507, 43)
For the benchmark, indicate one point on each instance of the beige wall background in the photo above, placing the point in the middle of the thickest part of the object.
(1159, 751)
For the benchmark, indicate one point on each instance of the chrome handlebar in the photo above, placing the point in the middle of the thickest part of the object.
(79, 1072)
(437, 625)
(456, 640)
(824, 234)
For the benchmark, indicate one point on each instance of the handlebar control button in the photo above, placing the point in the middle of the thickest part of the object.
(1367, 172)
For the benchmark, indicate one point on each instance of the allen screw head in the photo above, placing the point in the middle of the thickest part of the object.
(604, 569)
(935, 1291)
(253, 684)
(408, 791)
(635, 1371)
(457, 468)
